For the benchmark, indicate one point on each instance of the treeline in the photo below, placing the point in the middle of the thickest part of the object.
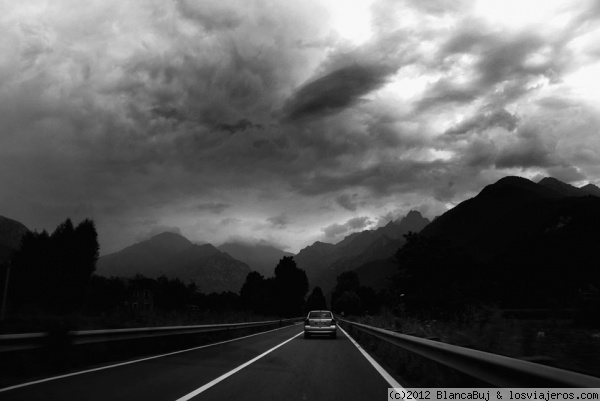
(50, 273)
(283, 295)
(352, 298)
(53, 274)
(439, 280)
(141, 294)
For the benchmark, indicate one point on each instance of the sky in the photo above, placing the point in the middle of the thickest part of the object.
(286, 122)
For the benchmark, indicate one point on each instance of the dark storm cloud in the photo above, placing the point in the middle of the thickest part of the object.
(241, 125)
(345, 77)
(172, 111)
(335, 91)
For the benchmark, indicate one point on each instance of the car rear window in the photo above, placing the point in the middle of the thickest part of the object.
(319, 315)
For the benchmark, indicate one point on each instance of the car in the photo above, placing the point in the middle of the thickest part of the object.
(320, 322)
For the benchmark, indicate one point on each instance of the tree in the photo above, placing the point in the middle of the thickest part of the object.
(346, 282)
(352, 298)
(255, 294)
(433, 276)
(290, 287)
(316, 300)
(29, 278)
(171, 294)
(52, 272)
(348, 302)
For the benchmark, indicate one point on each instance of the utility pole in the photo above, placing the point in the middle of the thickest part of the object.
(4, 295)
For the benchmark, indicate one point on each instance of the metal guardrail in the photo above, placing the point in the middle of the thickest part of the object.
(497, 370)
(16, 342)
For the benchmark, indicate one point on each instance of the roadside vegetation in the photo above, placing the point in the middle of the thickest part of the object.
(437, 294)
(52, 287)
(552, 341)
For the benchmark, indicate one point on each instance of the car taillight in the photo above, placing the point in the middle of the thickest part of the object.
(306, 322)
(333, 322)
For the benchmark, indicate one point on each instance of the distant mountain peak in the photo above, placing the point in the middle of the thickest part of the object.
(591, 189)
(170, 240)
(549, 179)
(320, 245)
(261, 257)
(167, 235)
(513, 180)
(414, 221)
(11, 232)
(413, 215)
(175, 256)
(513, 187)
(568, 189)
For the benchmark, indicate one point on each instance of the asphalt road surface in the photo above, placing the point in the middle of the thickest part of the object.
(277, 365)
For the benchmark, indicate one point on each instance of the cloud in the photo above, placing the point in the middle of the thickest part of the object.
(176, 113)
(241, 125)
(446, 93)
(348, 202)
(158, 229)
(335, 91)
(566, 173)
(211, 15)
(253, 241)
(488, 118)
(212, 207)
(280, 221)
(229, 221)
(335, 232)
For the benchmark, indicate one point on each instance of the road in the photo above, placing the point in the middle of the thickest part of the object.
(277, 365)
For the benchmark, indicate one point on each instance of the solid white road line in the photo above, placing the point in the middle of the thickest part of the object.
(136, 361)
(231, 372)
(382, 371)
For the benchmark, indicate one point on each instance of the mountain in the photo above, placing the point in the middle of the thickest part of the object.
(591, 189)
(379, 244)
(473, 223)
(260, 258)
(11, 232)
(561, 187)
(315, 258)
(376, 263)
(176, 257)
(324, 262)
(519, 243)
